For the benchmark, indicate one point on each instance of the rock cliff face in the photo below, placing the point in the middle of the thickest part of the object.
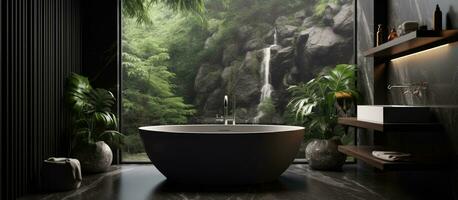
(305, 44)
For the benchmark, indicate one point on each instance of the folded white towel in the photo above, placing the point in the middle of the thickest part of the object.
(60, 174)
(391, 155)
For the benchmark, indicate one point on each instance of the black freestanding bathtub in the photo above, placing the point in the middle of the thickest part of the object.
(219, 154)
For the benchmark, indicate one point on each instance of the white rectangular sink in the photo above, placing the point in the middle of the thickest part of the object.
(394, 114)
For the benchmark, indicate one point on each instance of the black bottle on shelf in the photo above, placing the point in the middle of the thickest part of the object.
(437, 19)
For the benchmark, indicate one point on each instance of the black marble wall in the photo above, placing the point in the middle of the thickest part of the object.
(437, 67)
(422, 11)
(101, 47)
(100, 32)
(365, 40)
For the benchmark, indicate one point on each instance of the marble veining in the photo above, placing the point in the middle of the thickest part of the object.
(365, 37)
(133, 182)
(421, 11)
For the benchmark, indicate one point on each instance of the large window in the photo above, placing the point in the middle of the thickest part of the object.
(177, 68)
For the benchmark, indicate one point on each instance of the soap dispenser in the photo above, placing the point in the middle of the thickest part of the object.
(437, 19)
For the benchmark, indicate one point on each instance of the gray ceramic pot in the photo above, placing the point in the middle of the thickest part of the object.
(323, 154)
(94, 158)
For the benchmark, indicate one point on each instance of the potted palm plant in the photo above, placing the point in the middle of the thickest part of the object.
(318, 104)
(94, 125)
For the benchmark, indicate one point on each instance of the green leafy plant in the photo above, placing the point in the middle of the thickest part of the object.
(140, 8)
(319, 102)
(321, 5)
(91, 107)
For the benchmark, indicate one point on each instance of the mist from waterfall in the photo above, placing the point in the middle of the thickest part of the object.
(267, 88)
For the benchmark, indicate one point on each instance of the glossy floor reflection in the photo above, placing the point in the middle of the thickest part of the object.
(133, 182)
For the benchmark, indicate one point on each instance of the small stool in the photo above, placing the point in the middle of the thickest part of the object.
(60, 174)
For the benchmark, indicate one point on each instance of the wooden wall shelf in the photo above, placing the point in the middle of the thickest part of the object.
(411, 43)
(394, 127)
(364, 153)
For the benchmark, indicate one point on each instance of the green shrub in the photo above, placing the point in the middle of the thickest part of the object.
(320, 6)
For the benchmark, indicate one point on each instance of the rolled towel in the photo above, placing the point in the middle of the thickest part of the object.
(391, 155)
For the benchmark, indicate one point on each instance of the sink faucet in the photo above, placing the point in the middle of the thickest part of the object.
(226, 117)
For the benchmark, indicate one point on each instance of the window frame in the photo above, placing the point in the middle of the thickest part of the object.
(118, 152)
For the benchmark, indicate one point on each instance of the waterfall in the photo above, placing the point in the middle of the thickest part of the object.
(267, 88)
(275, 37)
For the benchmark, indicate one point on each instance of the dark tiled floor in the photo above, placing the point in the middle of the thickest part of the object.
(132, 182)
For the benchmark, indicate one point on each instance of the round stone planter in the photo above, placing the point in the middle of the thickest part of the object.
(323, 154)
(94, 158)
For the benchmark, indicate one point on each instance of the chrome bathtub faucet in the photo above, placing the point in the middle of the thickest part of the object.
(226, 117)
(219, 118)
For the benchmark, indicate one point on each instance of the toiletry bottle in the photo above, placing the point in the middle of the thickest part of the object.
(438, 19)
(379, 35)
(393, 34)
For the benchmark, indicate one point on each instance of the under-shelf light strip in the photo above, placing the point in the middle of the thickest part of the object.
(418, 53)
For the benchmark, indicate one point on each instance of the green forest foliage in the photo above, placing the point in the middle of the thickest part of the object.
(163, 46)
(139, 9)
(320, 6)
(149, 95)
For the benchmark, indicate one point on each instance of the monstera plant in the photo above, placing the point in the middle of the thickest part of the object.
(94, 124)
(318, 104)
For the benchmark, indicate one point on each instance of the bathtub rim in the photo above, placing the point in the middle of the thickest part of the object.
(289, 128)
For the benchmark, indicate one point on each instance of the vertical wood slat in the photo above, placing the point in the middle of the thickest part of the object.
(7, 94)
(24, 95)
(14, 91)
(2, 95)
(20, 68)
(40, 43)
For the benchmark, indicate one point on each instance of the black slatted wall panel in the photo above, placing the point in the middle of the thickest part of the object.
(1, 98)
(40, 44)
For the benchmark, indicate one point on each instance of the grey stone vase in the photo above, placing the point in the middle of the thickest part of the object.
(94, 158)
(323, 154)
